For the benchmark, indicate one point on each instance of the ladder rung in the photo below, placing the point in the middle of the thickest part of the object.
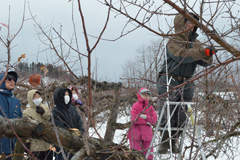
(172, 128)
(155, 153)
(166, 155)
(168, 152)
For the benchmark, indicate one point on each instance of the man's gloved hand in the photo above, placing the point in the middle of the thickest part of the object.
(28, 145)
(209, 51)
(79, 102)
(75, 131)
(143, 116)
(192, 36)
(40, 110)
(52, 148)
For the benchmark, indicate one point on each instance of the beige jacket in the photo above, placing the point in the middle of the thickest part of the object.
(30, 112)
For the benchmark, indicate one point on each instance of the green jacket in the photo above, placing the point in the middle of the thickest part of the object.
(30, 112)
(183, 56)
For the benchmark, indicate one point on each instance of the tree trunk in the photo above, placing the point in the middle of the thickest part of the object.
(30, 128)
(19, 150)
(26, 128)
(110, 131)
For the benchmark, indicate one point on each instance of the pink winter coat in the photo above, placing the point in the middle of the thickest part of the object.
(140, 130)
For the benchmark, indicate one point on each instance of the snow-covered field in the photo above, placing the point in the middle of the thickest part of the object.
(102, 128)
(234, 142)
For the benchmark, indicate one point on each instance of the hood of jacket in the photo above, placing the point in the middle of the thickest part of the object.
(179, 26)
(59, 98)
(30, 95)
(140, 99)
(3, 88)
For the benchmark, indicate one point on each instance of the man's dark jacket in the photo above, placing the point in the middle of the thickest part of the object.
(65, 116)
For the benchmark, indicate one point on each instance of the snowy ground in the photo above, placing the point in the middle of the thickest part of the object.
(119, 135)
(234, 142)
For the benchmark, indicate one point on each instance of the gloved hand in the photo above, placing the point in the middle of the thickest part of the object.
(79, 102)
(40, 110)
(192, 36)
(52, 148)
(28, 145)
(209, 51)
(75, 131)
(143, 116)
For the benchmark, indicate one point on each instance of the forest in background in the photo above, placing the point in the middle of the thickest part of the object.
(25, 69)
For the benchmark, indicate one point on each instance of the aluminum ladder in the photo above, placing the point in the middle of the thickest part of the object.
(168, 128)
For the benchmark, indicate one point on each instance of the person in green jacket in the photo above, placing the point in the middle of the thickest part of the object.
(39, 112)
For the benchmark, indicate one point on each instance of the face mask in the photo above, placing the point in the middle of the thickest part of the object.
(66, 99)
(75, 97)
(37, 101)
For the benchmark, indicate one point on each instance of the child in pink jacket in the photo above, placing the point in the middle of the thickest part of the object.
(140, 133)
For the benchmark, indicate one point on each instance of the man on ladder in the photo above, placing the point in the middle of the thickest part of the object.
(183, 54)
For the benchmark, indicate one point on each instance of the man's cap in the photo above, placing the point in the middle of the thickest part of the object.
(14, 75)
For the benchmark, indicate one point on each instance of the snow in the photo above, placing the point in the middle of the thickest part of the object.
(223, 95)
(119, 134)
(101, 127)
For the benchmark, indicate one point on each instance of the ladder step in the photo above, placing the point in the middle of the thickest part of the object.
(154, 153)
(172, 128)
(162, 158)
(168, 155)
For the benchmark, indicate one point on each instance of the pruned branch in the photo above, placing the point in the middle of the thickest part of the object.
(26, 128)
(71, 141)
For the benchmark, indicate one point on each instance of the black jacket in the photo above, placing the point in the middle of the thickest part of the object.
(65, 116)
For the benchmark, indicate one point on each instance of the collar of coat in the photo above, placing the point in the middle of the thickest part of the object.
(6, 92)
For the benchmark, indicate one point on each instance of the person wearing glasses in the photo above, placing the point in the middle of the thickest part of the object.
(142, 117)
(10, 108)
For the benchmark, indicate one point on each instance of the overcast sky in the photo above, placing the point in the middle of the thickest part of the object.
(110, 56)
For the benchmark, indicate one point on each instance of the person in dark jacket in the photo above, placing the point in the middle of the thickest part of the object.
(184, 53)
(65, 114)
(11, 108)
